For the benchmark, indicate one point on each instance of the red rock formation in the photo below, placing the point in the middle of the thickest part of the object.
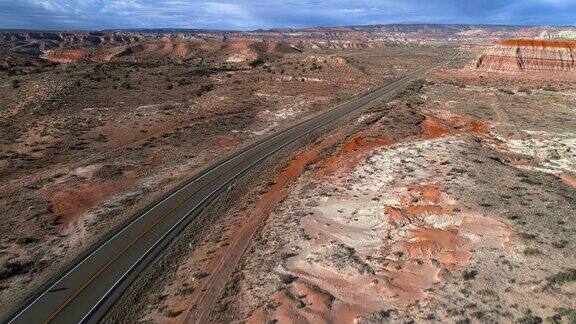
(519, 55)
(248, 50)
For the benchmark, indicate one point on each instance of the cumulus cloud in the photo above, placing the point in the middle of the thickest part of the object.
(249, 14)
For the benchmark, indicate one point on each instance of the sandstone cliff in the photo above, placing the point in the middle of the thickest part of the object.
(520, 55)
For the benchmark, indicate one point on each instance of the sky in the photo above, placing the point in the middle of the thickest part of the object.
(254, 14)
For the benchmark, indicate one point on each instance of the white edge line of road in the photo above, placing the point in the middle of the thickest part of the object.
(151, 209)
(170, 231)
(133, 222)
(90, 312)
(108, 241)
(144, 214)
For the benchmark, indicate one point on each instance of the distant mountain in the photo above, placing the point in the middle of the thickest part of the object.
(36, 42)
(378, 27)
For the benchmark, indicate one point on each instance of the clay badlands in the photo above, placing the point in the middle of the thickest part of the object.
(451, 200)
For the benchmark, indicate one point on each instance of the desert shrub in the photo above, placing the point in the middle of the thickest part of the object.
(26, 240)
(172, 312)
(183, 81)
(560, 244)
(531, 251)
(186, 290)
(155, 298)
(101, 138)
(16, 84)
(257, 62)
(110, 172)
(550, 88)
(527, 236)
(560, 278)
(316, 67)
(205, 88)
(202, 72)
(529, 318)
(569, 314)
(125, 85)
(11, 269)
(506, 91)
(525, 90)
(470, 274)
(200, 275)
(287, 278)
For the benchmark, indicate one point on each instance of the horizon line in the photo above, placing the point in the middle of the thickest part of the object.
(275, 28)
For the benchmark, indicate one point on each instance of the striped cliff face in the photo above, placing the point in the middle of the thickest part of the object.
(522, 55)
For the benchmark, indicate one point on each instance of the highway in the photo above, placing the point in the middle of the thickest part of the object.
(87, 290)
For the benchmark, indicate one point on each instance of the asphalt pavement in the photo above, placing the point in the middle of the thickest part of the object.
(87, 290)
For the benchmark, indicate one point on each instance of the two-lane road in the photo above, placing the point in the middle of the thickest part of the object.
(87, 290)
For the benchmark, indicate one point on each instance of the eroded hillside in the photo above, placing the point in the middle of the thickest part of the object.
(521, 55)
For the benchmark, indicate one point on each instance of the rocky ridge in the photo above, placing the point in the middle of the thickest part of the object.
(522, 55)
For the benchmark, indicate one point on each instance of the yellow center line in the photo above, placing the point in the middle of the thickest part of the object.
(103, 268)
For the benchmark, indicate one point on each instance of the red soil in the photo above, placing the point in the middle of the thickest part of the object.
(429, 197)
(432, 239)
(445, 245)
(411, 279)
(433, 127)
(448, 245)
(124, 135)
(355, 150)
(302, 303)
(430, 247)
(76, 55)
(395, 215)
(70, 203)
(69, 54)
(568, 179)
(292, 171)
(351, 153)
(427, 192)
(478, 127)
(155, 160)
(227, 141)
(243, 237)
